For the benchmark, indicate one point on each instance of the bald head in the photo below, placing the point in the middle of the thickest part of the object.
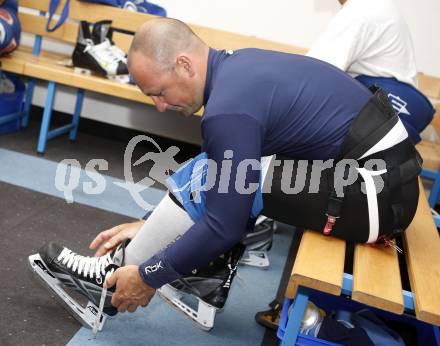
(163, 39)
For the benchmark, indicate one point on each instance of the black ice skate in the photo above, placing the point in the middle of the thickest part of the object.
(60, 268)
(102, 32)
(210, 286)
(101, 58)
(258, 243)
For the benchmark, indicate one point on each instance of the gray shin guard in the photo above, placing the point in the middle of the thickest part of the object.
(167, 223)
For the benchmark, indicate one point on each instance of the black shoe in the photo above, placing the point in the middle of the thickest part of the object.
(270, 318)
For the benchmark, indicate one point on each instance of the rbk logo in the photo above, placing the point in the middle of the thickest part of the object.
(153, 268)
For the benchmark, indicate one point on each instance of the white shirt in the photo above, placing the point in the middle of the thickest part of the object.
(369, 37)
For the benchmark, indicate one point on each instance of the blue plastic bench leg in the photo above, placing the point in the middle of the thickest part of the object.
(295, 317)
(28, 102)
(47, 114)
(437, 221)
(434, 196)
(436, 334)
(76, 114)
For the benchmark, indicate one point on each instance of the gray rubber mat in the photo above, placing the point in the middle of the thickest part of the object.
(90, 146)
(28, 219)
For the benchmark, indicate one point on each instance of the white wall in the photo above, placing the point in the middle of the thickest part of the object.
(298, 22)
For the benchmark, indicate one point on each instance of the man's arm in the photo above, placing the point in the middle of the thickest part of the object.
(227, 210)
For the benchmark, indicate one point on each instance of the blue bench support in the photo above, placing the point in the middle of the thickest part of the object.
(36, 49)
(28, 102)
(76, 114)
(71, 128)
(299, 304)
(47, 114)
(294, 321)
(434, 196)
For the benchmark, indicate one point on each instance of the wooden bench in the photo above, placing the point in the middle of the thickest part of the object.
(38, 63)
(430, 151)
(376, 279)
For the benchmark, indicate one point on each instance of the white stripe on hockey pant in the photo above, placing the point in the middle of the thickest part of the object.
(373, 213)
(396, 135)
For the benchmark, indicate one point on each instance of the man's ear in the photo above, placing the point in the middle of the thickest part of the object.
(184, 65)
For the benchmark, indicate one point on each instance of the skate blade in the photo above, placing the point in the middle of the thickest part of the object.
(203, 318)
(86, 316)
(255, 258)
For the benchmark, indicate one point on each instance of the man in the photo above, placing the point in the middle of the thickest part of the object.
(257, 103)
(372, 42)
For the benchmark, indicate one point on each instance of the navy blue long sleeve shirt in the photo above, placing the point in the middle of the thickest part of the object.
(258, 103)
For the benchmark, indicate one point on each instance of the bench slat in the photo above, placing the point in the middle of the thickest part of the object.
(213, 37)
(376, 278)
(66, 76)
(319, 264)
(47, 67)
(36, 25)
(227, 40)
(93, 12)
(422, 251)
(429, 85)
(430, 152)
(11, 63)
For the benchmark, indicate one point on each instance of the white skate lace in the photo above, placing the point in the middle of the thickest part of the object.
(84, 265)
(101, 305)
(103, 52)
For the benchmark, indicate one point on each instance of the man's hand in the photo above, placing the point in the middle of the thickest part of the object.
(109, 239)
(131, 290)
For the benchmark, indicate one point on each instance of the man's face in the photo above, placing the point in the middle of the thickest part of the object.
(173, 89)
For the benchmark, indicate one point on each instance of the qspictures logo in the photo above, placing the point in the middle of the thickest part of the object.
(206, 174)
(68, 174)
